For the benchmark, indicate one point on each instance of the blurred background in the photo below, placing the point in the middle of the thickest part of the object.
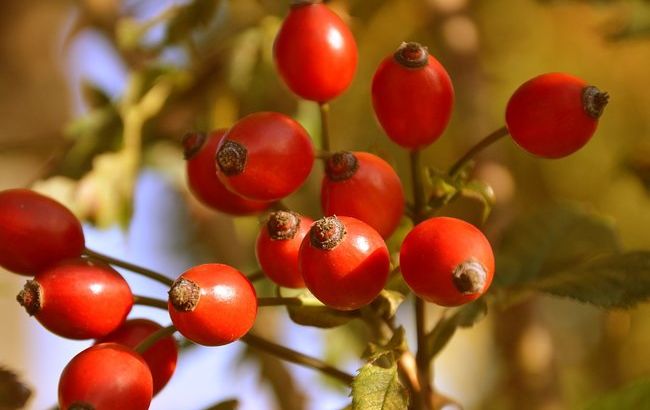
(70, 70)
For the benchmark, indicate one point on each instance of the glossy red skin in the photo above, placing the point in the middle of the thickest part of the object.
(278, 258)
(83, 299)
(545, 116)
(352, 274)
(280, 156)
(206, 186)
(413, 105)
(431, 252)
(108, 376)
(36, 232)
(161, 357)
(226, 310)
(315, 52)
(374, 194)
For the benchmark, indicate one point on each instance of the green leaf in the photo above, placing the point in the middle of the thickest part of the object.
(633, 396)
(319, 316)
(395, 347)
(445, 329)
(387, 303)
(376, 387)
(98, 131)
(472, 203)
(443, 189)
(225, 405)
(613, 281)
(549, 241)
(313, 313)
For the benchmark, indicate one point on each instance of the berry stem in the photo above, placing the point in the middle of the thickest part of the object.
(129, 266)
(421, 360)
(279, 206)
(324, 124)
(407, 367)
(480, 146)
(155, 337)
(293, 356)
(279, 301)
(423, 363)
(323, 155)
(417, 187)
(255, 276)
(147, 301)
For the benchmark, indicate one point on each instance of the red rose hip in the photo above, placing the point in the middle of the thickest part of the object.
(315, 52)
(344, 262)
(363, 186)
(212, 304)
(161, 357)
(78, 299)
(412, 96)
(265, 156)
(107, 376)
(36, 232)
(201, 169)
(555, 114)
(447, 261)
(277, 247)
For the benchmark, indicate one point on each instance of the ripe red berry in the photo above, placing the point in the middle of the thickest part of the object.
(200, 151)
(265, 156)
(277, 247)
(212, 304)
(36, 232)
(555, 114)
(78, 299)
(412, 96)
(344, 262)
(315, 52)
(447, 261)
(160, 357)
(363, 186)
(107, 376)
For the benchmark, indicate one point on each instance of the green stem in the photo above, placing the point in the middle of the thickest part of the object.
(421, 360)
(129, 266)
(147, 301)
(279, 301)
(279, 206)
(324, 124)
(155, 337)
(480, 146)
(293, 356)
(417, 186)
(322, 154)
(255, 276)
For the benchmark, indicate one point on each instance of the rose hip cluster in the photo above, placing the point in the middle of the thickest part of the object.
(341, 258)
